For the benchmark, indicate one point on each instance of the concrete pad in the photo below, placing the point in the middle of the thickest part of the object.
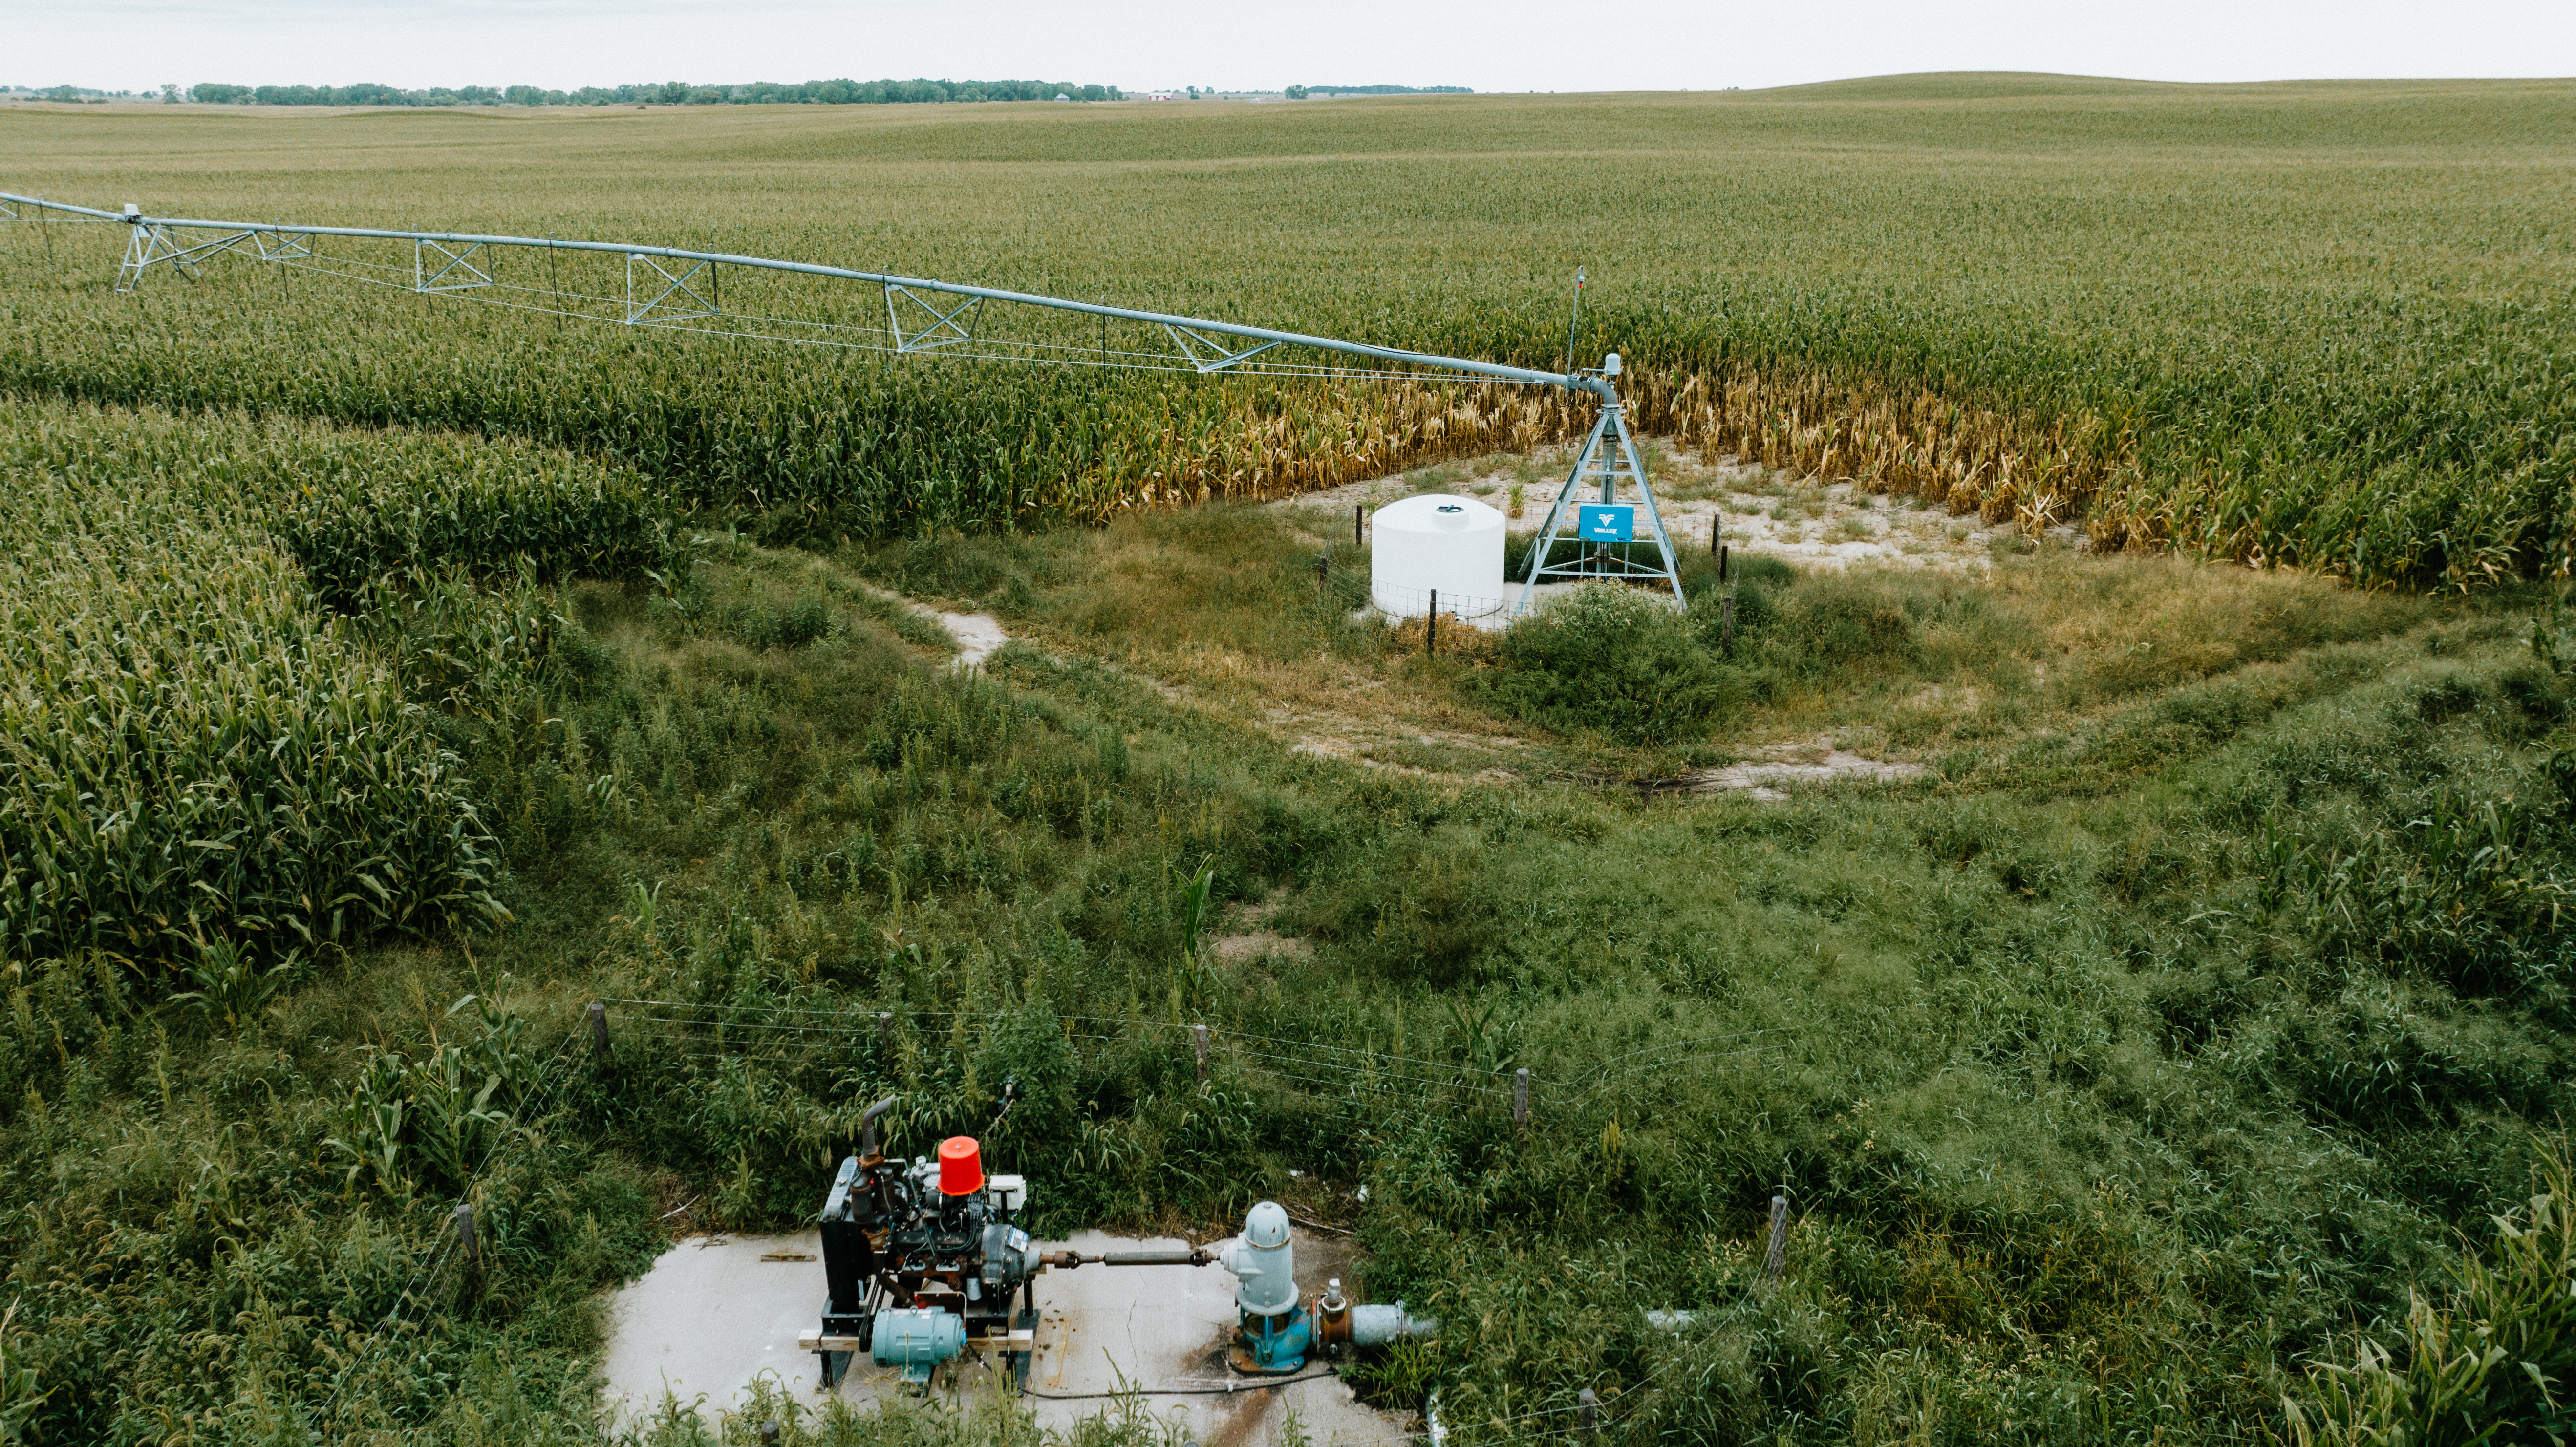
(714, 1313)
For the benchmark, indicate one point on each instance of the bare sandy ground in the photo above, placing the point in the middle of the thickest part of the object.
(977, 635)
(1797, 761)
(1758, 510)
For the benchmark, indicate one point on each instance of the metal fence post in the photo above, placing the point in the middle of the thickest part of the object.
(1431, 625)
(1198, 1038)
(1726, 604)
(1520, 1100)
(1778, 1257)
(1359, 516)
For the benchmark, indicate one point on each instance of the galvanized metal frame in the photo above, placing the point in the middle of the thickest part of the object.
(1608, 455)
(1208, 354)
(651, 310)
(943, 329)
(463, 264)
(450, 262)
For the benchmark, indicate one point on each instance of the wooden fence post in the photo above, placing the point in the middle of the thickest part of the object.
(1198, 1037)
(471, 1249)
(598, 1014)
(1520, 1100)
(1777, 1259)
(1591, 1405)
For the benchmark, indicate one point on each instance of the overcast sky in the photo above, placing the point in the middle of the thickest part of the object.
(1142, 44)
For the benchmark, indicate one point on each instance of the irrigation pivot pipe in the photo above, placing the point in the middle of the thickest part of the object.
(926, 316)
(153, 245)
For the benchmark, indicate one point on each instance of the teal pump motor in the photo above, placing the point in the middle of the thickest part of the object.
(1272, 1331)
(916, 1339)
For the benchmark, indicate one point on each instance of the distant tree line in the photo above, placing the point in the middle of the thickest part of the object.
(671, 93)
(1387, 89)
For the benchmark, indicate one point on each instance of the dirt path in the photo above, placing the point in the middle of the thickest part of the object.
(1798, 761)
(977, 635)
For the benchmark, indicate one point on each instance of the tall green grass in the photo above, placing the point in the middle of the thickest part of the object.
(2095, 1122)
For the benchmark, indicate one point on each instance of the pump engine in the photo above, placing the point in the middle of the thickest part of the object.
(922, 1258)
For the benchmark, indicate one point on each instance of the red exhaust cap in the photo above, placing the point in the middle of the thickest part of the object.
(961, 1166)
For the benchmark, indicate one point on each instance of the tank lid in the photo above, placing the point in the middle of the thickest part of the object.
(1437, 513)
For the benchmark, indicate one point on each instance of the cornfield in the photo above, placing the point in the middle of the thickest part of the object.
(2276, 325)
(193, 747)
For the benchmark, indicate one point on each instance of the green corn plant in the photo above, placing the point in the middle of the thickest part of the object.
(372, 1131)
(2243, 391)
(2493, 1362)
(190, 737)
(230, 985)
(19, 1398)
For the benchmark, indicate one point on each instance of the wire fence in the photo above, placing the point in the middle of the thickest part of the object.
(1397, 601)
(805, 1036)
(436, 1277)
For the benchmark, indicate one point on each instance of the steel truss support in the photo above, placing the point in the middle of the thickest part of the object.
(665, 284)
(436, 268)
(944, 323)
(282, 246)
(943, 329)
(149, 244)
(1208, 354)
(1609, 455)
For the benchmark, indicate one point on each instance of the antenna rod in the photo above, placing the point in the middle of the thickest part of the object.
(1576, 321)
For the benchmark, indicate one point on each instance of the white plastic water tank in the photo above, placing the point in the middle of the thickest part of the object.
(1451, 544)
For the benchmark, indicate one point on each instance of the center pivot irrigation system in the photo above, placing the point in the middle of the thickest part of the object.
(670, 289)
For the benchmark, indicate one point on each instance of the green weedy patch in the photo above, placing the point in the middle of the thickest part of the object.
(1611, 658)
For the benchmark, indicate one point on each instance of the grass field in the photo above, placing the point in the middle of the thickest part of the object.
(385, 681)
